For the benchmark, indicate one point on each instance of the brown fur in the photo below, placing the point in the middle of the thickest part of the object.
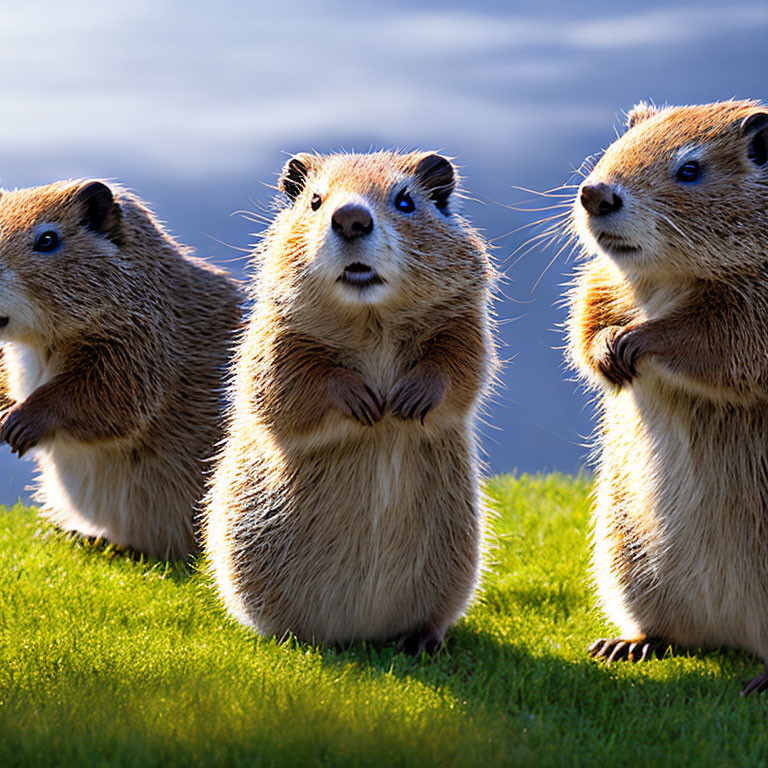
(112, 366)
(346, 504)
(670, 320)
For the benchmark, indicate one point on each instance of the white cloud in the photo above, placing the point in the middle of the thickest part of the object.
(192, 87)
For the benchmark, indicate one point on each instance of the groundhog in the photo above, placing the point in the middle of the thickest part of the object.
(115, 345)
(346, 503)
(670, 320)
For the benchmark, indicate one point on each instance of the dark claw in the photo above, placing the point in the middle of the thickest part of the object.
(356, 398)
(594, 648)
(410, 405)
(620, 362)
(17, 435)
(372, 405)
(642, 647)
(376, 401)
(366, 411)
(757, 685)
(610, 367)
(417, 643)
(625, 354)
(618, 649)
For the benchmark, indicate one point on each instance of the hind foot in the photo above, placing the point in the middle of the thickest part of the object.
(757, 684)
(618, 649)
(427, 641)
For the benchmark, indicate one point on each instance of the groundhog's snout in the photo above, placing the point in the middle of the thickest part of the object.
(599, 199)
(351, 221)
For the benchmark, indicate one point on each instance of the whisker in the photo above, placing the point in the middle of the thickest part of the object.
(253, 217)
(564, 204)
(530, 243)
(551, 262)
(675, 227)
(227, 245)
(528, 225)
(463, 196)
(546, 192)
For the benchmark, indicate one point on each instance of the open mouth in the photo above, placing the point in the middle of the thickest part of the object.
(360, 275)
(4, 321)
(616, 244)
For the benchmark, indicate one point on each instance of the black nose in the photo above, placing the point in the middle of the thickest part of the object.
(352, 220)
(599, 199)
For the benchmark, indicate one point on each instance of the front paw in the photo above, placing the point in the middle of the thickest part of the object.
(623, 348)
(23, 429)
(356, 398)
(418, 392)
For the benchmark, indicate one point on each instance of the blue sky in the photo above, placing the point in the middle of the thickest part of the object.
(194, 106)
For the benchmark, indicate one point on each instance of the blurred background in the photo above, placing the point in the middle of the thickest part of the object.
(195, 105)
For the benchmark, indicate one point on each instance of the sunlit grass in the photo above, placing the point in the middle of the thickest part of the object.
(109, 660)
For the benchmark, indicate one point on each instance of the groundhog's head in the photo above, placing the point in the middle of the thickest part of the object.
(370, 229)
(57, 265)
(684, 191)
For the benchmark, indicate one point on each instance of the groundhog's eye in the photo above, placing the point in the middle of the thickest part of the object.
(316, 201)
(689, 172)
(47, 242)
(404, 202)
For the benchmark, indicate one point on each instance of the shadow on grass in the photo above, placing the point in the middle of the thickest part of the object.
(93, 548)
(477, 702)
(480, 701)
(496, 704)
(507, 678)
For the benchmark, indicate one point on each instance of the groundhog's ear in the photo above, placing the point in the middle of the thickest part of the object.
(294, 175)
(100, 212)
(755, 128)
(438, 177)
(641, 111)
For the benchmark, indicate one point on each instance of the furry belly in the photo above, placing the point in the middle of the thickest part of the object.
(112, 490)
(358, 542)
(683, 503)
(83, 487)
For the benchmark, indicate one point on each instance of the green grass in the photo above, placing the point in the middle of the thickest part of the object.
(106, 660)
